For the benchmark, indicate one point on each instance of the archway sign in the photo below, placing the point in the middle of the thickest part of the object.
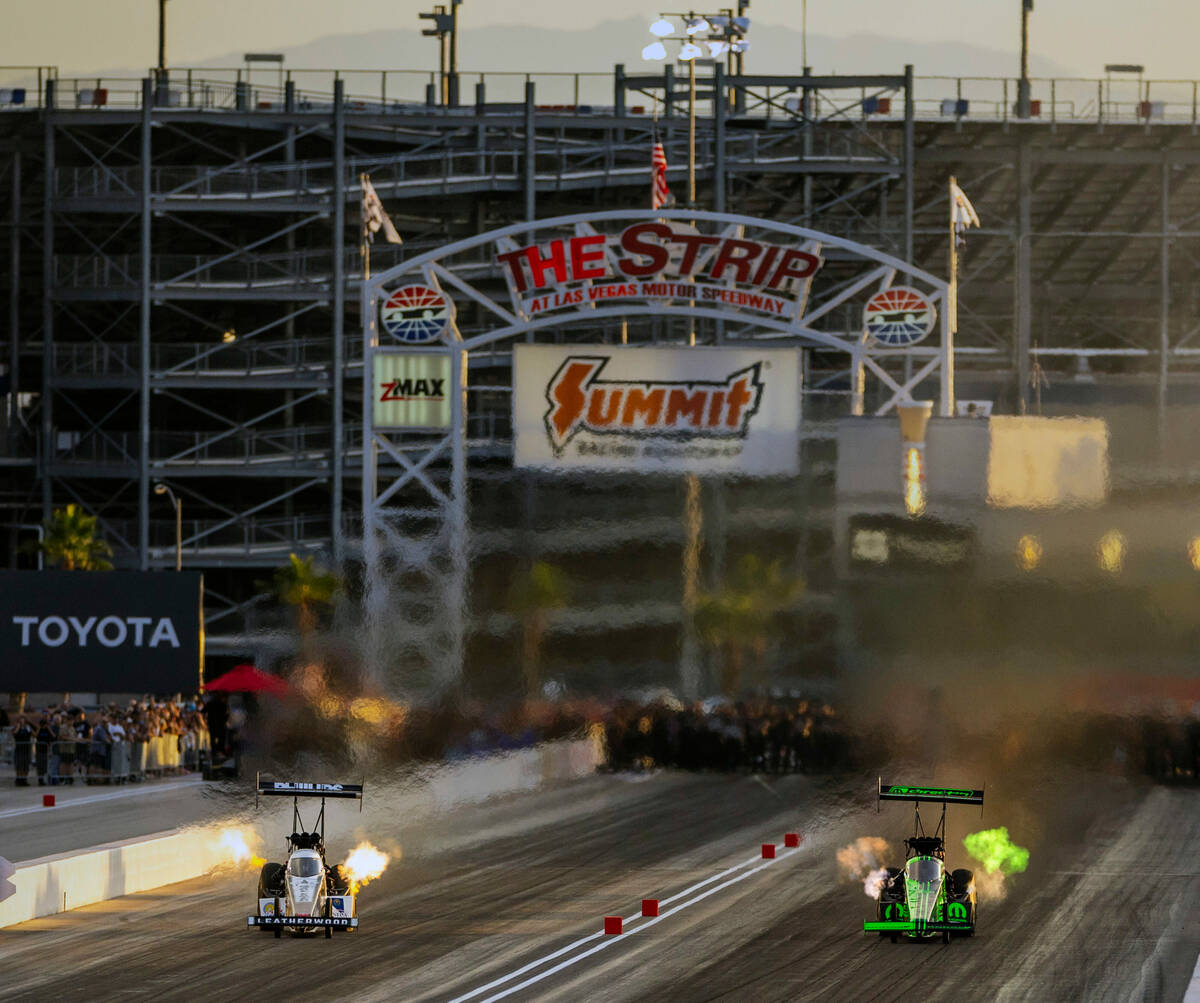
(763, 283)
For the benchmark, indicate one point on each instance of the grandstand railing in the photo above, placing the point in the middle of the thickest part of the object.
(447, 170)
(381, 92)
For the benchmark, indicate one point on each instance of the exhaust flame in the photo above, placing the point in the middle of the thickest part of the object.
(862, 861)
(365, 863)
(1000, 857)
(237, 850)
(996, 852)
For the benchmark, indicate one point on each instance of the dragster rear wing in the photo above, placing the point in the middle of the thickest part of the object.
(937, 795)
(306, 789)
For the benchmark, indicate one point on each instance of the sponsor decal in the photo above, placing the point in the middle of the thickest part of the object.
(958, 911)
(656, 261)
(580, 400)
(898, 316)
(657, 410)
(294, 785)
(930, 792)
(109, 631)
(412, 390)
(415, 315)
(299, 920)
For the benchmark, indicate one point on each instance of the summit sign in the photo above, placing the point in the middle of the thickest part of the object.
(655, 261)
(657, 410)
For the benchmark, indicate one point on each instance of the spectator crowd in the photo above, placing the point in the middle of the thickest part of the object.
(150, 737)
(750, 736)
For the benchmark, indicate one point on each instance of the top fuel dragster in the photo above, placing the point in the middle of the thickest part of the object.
(921, 899)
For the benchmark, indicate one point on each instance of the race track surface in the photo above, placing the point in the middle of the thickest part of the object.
(1106, 910)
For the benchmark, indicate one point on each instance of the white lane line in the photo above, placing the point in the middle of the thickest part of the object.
(584, 940)
(1193, 990)
(111, 796)
(610, 940)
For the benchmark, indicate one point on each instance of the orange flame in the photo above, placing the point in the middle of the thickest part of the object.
(234, 845)
(365, 863)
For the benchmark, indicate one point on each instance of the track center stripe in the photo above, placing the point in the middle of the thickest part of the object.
(610, 940)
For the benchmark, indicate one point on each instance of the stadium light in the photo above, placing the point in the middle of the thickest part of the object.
(662, 28)
(696, 25)
(689, 51)
(717, 48)
(445, 29)
(655, 50)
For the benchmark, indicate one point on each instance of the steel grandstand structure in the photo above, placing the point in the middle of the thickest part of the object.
(184, 265)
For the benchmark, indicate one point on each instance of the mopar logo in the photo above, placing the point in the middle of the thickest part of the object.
(958, 911)
(109, 631)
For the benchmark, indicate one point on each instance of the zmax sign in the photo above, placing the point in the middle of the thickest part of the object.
(107, 631)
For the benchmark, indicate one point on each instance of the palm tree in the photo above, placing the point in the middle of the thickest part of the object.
(532, 597)
(301, 584)
(740, 615)
(69, 541)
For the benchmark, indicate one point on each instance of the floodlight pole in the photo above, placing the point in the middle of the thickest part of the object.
(453, 83)
(691, 133)
(1023, 87)
(162, 37)
(804, 32)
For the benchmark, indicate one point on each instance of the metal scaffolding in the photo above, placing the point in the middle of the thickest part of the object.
(186, 298)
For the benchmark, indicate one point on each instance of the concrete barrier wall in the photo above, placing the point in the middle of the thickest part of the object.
(68, 880)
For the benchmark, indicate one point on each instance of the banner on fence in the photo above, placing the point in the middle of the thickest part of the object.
(107, 631)
(657, 410)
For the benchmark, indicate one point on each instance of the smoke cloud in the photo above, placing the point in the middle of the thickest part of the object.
(862, 861)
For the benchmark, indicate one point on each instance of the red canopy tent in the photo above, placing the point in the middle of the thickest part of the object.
(248, 679)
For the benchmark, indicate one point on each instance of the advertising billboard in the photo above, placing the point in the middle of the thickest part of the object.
(412, 390)
(657, 410)
(101, 631)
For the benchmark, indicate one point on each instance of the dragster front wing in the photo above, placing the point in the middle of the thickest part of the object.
(343, 922)
(917, 926)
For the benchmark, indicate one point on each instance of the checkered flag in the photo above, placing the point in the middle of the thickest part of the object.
(374, 217)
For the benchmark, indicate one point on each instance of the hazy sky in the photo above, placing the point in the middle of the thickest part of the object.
(1083, 34)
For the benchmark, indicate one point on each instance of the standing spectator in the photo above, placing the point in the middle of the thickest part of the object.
(62, 759)
(22, 750)
(100, 748)
(216, 713)
(83, 734)
(119, 750)
(44, 740)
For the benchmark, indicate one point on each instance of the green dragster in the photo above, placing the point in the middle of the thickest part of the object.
(922, 900)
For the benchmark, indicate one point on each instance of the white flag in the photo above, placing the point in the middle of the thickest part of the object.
(374, 218)
(962, 213)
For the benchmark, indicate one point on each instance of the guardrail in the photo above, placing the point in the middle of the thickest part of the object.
(384, 91)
